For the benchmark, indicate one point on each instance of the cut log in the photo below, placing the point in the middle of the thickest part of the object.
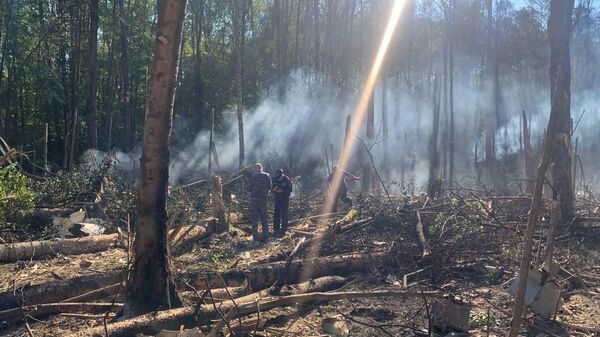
(56, 291)
(191, 233)
(98, 293)
(12, 252)
(319, 284)
(263, 276)
(191, 317)
(259, 277)
(16, 315)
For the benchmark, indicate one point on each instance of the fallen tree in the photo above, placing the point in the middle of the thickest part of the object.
(16, 315)
(197, 316)
(11, 252)
(263, 276)
(57, 291)
(258, 278)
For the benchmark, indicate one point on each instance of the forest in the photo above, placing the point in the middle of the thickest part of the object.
(418, 168)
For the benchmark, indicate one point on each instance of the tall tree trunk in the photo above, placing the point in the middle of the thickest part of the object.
(528, 153)
(4, 122)
(151, 286)
(108, 103)
(75, 79)
(559, 33)
(238, 32)
(124, 65)
(297, 34)
(490, 120)
(197, 20)
(451, 93)
(93, 75)
(367, 180)
(109, 98)
(384, 121)
(434, 159)
(555, 142)
(317, 51)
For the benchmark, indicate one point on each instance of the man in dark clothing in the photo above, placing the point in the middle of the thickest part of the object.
(282, 188)
(259, 187)
(342, 192)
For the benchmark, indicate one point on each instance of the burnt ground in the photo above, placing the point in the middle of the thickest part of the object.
(475, 251)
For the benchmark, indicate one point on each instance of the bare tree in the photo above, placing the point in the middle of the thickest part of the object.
(124, 65)
(151, 286)
(239, 9)
(93, 75)
(559, 28)
(559, 34)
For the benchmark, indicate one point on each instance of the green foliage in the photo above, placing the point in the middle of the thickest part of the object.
(15, 198)
(79, 184)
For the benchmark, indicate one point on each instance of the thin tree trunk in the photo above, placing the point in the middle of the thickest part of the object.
(434, 159)
(75, 79)
(198, 18)
(93, 75)
(124, 65)
(151, 286)
(490, 124)
(108, 104)
(384, 122)
(238, 27)
(451, 93)
(316, 18)
(528, 153)
(297, 39)
(367, 180)
(2, 60)
(559, 28)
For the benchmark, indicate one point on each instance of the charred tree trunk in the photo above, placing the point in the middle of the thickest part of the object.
(559, 28)
(151, 286)
(559, 33)
(434, 158)
(93, 75)
(528, 154)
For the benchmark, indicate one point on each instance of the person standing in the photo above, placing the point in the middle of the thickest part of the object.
(282, 188)
(259, 187)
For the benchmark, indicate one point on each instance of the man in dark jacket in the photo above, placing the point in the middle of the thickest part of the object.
(282, 188)
(259, 187)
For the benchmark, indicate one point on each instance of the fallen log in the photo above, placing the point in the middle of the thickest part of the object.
(98, 293)
(12, 252)
(191, 233)
(56, 291)
(263, 276)
(191, 317)
(16, 315)
(319, 284)
(258, 278)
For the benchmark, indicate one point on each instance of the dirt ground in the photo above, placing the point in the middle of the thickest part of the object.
(474, 255)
